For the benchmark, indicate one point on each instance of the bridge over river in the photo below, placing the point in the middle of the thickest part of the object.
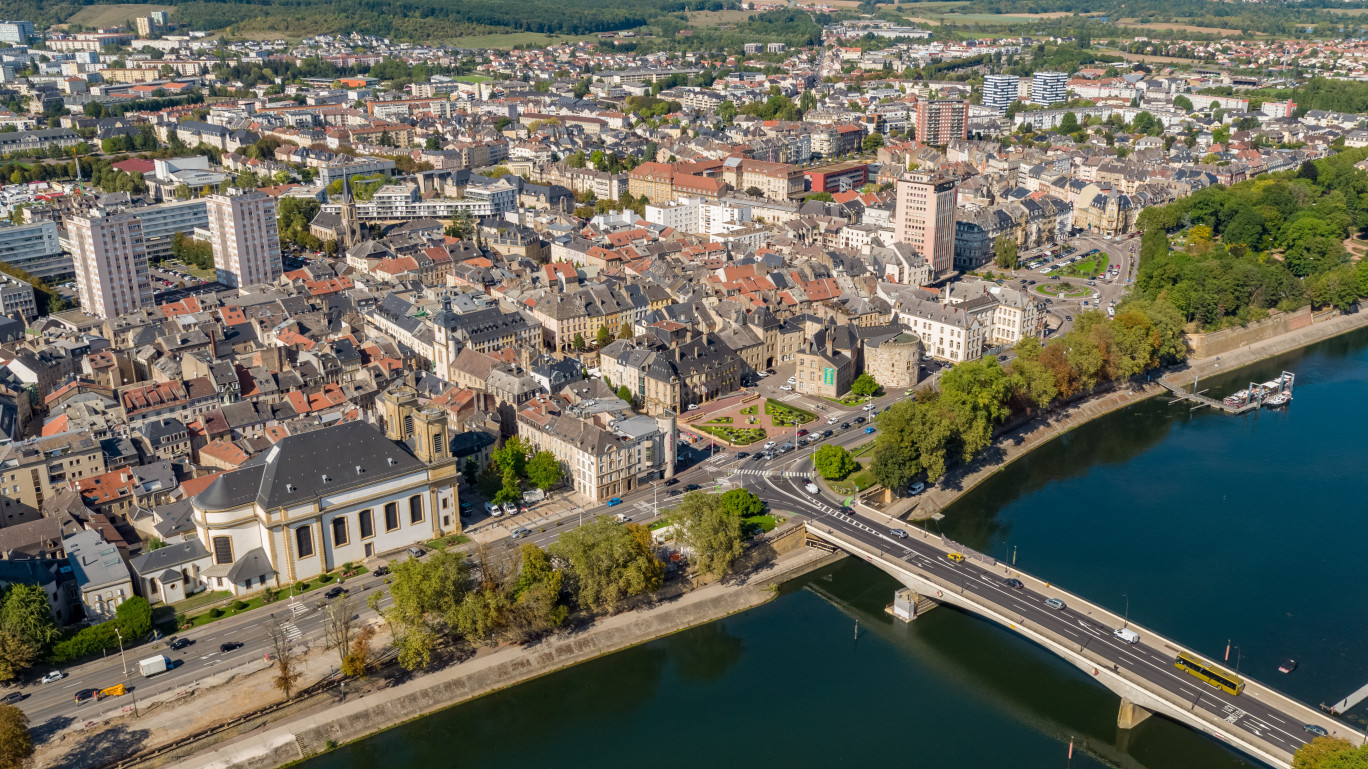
(1259, 721)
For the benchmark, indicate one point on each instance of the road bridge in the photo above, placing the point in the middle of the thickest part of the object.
(1259, 721)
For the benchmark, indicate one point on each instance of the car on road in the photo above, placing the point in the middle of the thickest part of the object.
(868, 407)
(899, 533)
(12, 697)
(811, 487)
(827, 433)
(692, 487)
(381, 571)
(845, 425)
(869, 429)
(692, 407)
(86, 695)
(955, 557)
(786, 388)
(1316, 729)
(860, 420)
(1014, 583)
(770, 445)
(334, 592)
(620, 518)
(674, 493)
(224, 648)
(916, 488)
(801, 433)
(614, 502)
(1054, 603)
(671, 481)
(519, 532)
(1068, 317)
(55, 675)
(742, 454)
(179, 643)
(1127, 635)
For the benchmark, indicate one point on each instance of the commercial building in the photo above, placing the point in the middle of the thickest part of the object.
(160, 223)
(16, 32)
(925, 218)
(245, 239)
(111, 264)
(939, 121)
(999, 91)
(35, 249)
(605, 454)
(838, 177)
(1049, 87)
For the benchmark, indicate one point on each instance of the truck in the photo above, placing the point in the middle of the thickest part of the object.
(154, 665)
(533, 496)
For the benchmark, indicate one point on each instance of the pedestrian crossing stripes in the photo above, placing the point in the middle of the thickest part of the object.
(292, 632)
(772, 473)
(298, 608)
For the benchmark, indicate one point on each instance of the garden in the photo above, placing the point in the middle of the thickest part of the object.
(1064, 290)
(737, 436)
(270, 595)
(783, 415)
(1090, 267)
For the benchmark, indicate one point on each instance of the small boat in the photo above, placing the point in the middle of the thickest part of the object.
(1278, 400)
(1288, 666)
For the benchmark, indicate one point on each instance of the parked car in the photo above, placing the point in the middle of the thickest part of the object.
(614, 502)
(916, 488)
(786, 388)
(692, 407)
(417, 552)
(224, 648)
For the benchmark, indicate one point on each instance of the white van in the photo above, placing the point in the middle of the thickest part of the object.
(493, 509)
(1127, 635)
(811, 487)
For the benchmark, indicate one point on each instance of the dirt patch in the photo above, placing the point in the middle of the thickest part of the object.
(718, 18)
(113, 15)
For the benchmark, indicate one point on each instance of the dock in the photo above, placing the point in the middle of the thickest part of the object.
(1347, 704)
(1246, 400)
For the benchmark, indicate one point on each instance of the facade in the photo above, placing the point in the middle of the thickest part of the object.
(999, 91)
(821, 369)
(17, 299)
(160, 223)
(1049, 87)
(35, 249)
(101, 574)
(605, 455)
(940, 121)
(244, 237)
(34, 471)
(16, 32)
(925, 218)
(328, 497)
(948, 332)
(112, 277)
(895, 361)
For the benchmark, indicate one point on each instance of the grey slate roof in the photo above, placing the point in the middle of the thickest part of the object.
(164, 558)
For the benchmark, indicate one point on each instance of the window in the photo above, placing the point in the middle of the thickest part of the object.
(304, 541)
(223, 549)
(416, 508)
(339, 531)
(367, 523)
(391, 516)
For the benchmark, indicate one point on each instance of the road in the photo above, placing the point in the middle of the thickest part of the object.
(1104, 292)
(1148, 662)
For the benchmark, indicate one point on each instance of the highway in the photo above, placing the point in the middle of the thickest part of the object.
(1264, 719)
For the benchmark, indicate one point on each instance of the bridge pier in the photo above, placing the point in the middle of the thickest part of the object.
(908, 604)
(1130, 715)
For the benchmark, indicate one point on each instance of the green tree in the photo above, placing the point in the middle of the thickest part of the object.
(609, 563)
(537, 606)
(872, 142)
(624, 393)
(1005, 252)
(626, 331)
(834, 462)
(426, 596)
(432, 143)
(726, 112)
(1182, 103)
(133, 618)
(1068, 123)
(742, 503)
(864, 385)
(17, 654)
(578, 342)
(544, 471)
(713, 534)
(1330, 753)
(604, 336)
(26, 613)
(581, 88)
(16, 744)
(512, 455)
(509, 490)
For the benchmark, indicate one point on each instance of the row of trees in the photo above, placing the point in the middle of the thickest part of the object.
(510, 465)
(28, 633)
(937, 428)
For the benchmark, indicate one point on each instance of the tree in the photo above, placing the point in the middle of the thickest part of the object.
(544, 471)
(1330, 753)
(537, 606)
(26, 613)
(864, 385)
(509, 490)
(834, 462)
(872, 142)
(742, 503)
(133, 618)
(1308, 171)
(1182, 103)
(1068, 123)
(578, 342)
(17, 654)
(609, 562)
(604, 336)
(705, 526)
(337, 626)
(356, 662)
(287, 673)
(624, 393)
(432, 143)
(426, 595)
(726, 112)
(581, 88)
(16, 744)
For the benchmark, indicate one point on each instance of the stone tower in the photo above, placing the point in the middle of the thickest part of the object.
(431, 442)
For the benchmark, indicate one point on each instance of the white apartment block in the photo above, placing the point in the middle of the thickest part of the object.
(1049, 87)
(698, 216)
(111, 264)
(953, 332)
(244, 237)
(999, 91)
(35, 249)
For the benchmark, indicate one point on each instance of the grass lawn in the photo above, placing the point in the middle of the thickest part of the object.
(512, 39)
(720, 421)
(1086, 268)
(757, 524)
(198, 272)
(864, 448)
(785, 415)
(203, 599)
(259, 599)
(859, 480)
(740, 436)
(471, 78)
(443, 542)
(748, 411)
(1064, 289)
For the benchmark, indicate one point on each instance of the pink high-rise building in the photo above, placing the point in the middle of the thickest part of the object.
(925, 218)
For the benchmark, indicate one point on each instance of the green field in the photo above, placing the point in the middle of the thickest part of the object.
(1087, 268)
(514, 39)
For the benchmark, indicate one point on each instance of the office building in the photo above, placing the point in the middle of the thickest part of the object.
(16, 32)
(17, 299)
(245, 239)
(35, 249)
(939, 121)
(925, 218)
(999, 91)
(111, 264)
(160, 224)
(1049, 87)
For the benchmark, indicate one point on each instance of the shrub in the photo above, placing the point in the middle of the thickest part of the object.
(325, 578)
(216, 612)
(239, 605)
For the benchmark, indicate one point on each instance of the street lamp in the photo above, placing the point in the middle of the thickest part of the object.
(122, 660)
(1127, 617)
(1238, 656)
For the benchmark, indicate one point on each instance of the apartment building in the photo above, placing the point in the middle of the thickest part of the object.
(111, 264)
(953, 332)
(17, 299)
(775, 181)
(940, 121)
(606, 454)
(161, 223)
(35, 470)
(1049, 87)
(671, 379)
(653, 180)
(999, 91)
(245, 239)
(35, 249)
(925, 218)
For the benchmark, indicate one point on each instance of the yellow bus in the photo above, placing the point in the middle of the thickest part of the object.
(1221, 679)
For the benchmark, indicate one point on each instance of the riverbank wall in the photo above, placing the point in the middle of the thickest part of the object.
(364, 716)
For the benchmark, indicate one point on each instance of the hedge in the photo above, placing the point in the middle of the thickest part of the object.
(133, 618)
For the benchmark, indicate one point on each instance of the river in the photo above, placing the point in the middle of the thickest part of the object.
(1208, 528)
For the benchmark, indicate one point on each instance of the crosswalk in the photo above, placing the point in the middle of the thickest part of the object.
(773, 473)
(292, 631)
